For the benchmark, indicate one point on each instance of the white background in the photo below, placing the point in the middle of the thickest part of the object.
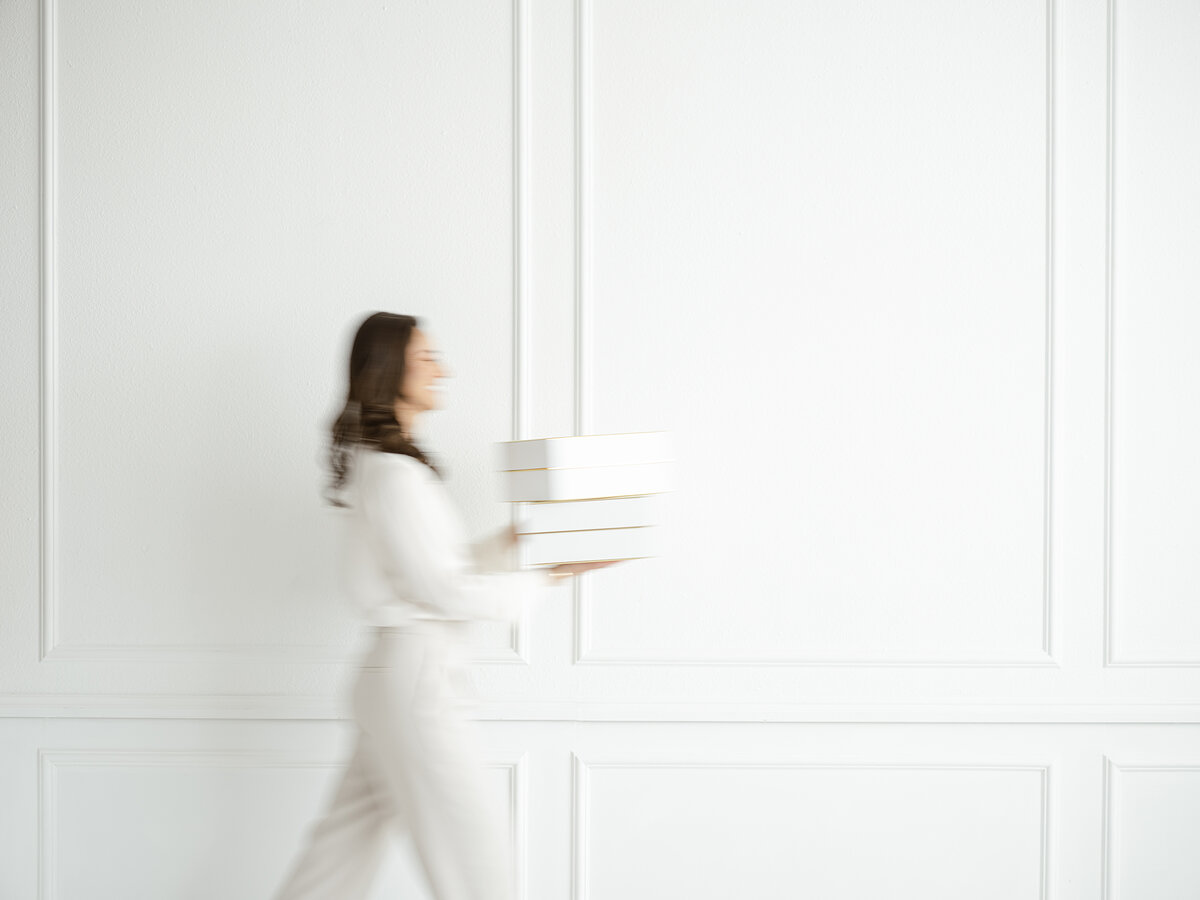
(913, 286)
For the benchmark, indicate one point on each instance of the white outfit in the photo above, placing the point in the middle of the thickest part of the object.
(412, 576)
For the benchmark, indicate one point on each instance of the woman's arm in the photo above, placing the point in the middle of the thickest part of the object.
(497, 552)
(402, 506)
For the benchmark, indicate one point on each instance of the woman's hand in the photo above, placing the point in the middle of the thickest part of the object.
(559, 572)
(512, 535)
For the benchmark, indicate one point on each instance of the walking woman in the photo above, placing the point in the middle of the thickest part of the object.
(417, 582)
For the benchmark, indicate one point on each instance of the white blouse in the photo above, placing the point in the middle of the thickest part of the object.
(405, 554)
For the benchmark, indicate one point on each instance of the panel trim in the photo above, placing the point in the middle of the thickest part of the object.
(1109, 125)
(280, 707)
(51, 760)
(584, 652)
(282, 653)
(1110, 866)
(52, 647)
(1111, 658)
(581, 770)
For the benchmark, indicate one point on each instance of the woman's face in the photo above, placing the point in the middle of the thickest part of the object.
(422, 370)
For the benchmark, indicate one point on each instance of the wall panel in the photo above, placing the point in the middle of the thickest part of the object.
(909, 286)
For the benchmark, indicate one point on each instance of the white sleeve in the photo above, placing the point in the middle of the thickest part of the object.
(402, 509)
(495, 553)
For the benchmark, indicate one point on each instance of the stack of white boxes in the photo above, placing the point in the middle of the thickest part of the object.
(587, 498)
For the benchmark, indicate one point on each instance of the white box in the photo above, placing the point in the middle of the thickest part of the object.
(555, 548)
(593, 482)
(582, 451)
(581, 515)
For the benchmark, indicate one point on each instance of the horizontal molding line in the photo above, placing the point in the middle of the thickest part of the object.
(248, 653)
(1038, 662)
(237, 757)
(1152, 663)
(334, 708)
(82, 757)
(1156, 767)
(672, 765)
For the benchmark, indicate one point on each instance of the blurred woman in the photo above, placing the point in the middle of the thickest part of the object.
(417, 582)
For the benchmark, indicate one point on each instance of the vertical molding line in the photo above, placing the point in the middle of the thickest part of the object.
(1047, 817)
(521, 341)
(583, 216)
(47, 852)
(1048, 419)
(579, 830)
(518, 818)
(48, 303)
(1106, 831)
(583, 272)
(520, 221)
(1110, 105)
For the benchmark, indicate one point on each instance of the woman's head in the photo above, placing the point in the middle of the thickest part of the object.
(393, 373)
(419, 390)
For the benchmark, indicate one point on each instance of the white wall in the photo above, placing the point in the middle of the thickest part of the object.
(909, 283)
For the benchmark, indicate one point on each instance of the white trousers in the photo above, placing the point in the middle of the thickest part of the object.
(414, 772)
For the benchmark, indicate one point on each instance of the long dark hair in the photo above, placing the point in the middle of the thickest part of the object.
(369, 417)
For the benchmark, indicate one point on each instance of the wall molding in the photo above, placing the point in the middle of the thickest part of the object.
(279, 707)
(283, 653)
(584, 652)
(1110, 864)
(52, 646)
(581, 770)
(1111, 657)
(50, 761)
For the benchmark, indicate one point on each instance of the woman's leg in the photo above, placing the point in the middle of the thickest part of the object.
(425, 752)
(343, 850)
(459, 835)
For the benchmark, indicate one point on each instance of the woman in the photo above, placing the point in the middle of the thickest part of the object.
(416, 581)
